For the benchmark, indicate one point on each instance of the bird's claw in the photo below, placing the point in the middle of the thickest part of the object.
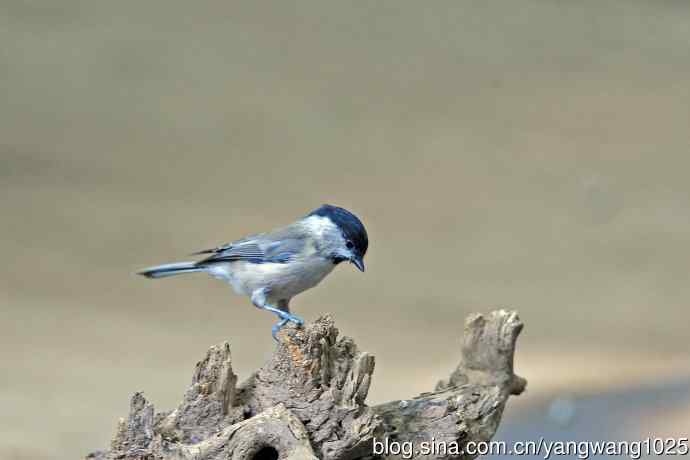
(299, 322)
(276, 327)
(295, 319)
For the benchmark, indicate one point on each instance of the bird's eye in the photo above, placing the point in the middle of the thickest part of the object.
(349, 244)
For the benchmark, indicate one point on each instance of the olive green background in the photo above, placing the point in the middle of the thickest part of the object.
(530, 155)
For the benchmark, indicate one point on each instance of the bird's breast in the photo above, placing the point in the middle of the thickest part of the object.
(283, 280)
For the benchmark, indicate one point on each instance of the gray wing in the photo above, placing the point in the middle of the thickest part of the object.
(258, 249)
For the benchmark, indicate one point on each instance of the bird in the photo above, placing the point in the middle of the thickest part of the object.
(273, 267)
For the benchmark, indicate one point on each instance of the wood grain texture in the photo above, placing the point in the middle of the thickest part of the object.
(308, 401)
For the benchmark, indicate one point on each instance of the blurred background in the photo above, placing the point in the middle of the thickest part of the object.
(530, 155)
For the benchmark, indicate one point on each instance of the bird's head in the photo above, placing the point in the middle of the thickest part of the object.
(340, 234)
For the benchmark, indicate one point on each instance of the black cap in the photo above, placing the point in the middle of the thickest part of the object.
(352, 228)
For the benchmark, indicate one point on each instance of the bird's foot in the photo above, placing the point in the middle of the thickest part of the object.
(285, 317)
(292, 318)
(297, 320)
(276, 327)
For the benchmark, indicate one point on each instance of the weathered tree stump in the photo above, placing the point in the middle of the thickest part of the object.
(308, 402)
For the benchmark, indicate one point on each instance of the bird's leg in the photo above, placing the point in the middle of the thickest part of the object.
(259, 300)
(284, 306)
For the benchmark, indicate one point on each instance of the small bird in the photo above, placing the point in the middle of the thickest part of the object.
(271, 268)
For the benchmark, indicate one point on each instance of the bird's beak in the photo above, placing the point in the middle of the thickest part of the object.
(358, 262)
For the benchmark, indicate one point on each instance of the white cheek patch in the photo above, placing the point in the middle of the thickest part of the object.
(329, 236)
(320, 226)
(344, 253)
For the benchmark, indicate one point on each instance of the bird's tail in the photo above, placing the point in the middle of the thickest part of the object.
(161, 271)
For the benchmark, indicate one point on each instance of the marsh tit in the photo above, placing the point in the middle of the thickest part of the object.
(271, 268)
